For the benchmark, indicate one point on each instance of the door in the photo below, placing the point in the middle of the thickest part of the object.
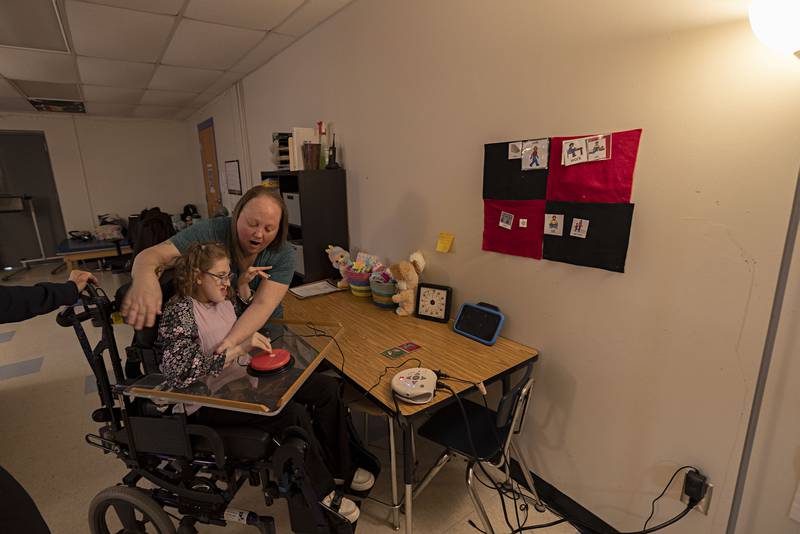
(25, 170)
(208, 157)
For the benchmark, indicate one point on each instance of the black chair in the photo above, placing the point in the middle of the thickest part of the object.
(488, 439)
(196, 470)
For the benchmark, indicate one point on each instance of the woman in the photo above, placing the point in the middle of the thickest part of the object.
(255, 235)
(256, 239)
(194, 322)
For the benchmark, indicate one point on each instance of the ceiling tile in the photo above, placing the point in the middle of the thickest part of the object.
(96, 71)
(8, 103)
(184, 78)
(309, 15)
(31, 24)
(60, 91)
(114, 33)
(112, 95)
(7, 90)
(185, 113)
(155, 112)
(254, 14)
(268, 48)
(227, 79)
(210, 46)
(167, 7)
(37, 66)
(203, 98)
(117, 110)
(167, 98)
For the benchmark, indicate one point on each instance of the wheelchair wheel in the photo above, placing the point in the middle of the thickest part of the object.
(125, 510)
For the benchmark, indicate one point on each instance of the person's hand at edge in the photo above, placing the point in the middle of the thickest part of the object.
(81, 278)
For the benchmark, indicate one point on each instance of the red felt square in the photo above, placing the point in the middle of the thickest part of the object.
(518, 240)
(608, 180)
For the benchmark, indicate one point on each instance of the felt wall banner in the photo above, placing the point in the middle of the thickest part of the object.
(608, 180)
(513, 227)
(504, 177)
(595, 234)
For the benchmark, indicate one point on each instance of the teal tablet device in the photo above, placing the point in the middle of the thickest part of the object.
(481, 322)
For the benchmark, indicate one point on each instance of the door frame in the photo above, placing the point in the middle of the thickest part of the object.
(206, 124)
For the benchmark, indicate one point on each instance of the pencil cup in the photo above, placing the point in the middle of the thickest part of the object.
(382, 293)
(311, 153)
(359, 283)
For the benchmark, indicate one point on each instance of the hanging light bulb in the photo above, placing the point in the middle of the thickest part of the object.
(777, 24)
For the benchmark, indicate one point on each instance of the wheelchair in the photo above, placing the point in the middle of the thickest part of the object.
(195, 470)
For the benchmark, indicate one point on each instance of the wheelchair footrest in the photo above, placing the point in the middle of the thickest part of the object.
(264, 523)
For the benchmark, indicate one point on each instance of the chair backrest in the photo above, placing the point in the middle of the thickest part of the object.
(513, 405)
(511, 395)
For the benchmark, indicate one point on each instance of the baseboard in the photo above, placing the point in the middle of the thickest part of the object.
(562, 504)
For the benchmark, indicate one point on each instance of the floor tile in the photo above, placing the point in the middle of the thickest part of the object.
(90, 385)
(25, 367)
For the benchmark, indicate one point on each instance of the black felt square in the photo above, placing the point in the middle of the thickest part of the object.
(606, 243)
(504, 179)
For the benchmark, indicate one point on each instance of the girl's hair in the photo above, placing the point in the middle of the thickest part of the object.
(198, 258)
(237, 254)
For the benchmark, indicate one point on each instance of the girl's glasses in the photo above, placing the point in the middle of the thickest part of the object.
(222, 279)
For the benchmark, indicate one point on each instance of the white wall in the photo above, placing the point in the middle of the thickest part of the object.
(228, 136)
(774, 473)
(103, 165)
(640, 372)
(131, 165)
(59, 132)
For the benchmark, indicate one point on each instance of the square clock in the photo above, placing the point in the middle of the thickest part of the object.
(433, 302)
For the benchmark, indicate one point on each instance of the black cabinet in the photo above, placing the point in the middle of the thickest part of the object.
(316, 203)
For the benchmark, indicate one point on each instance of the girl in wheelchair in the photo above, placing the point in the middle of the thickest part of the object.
(194, 323)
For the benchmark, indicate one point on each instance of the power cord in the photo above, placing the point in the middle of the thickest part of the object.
(380, 377)
(664, 491)
(475, 457)
(591, 530)
(698, 483)
(321, 333)
(502, 492)
(317, 332)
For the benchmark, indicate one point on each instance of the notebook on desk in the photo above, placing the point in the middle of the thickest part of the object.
(323, 287)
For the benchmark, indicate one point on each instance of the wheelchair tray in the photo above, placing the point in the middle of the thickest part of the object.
(236, 390)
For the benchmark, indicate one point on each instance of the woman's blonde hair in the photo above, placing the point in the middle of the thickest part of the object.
(198, 258)
(237, 253)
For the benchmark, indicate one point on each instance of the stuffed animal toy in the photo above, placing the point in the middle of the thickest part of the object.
(407, 275)
(340, 259)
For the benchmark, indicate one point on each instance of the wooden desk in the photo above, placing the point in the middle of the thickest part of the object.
(369, 330)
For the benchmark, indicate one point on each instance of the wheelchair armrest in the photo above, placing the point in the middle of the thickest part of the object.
(214, 440)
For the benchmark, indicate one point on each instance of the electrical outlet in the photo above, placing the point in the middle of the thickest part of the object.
(705, 503)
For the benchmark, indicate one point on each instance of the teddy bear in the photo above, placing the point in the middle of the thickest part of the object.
(407, 275)
(340, 259)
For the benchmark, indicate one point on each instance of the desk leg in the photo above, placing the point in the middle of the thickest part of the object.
(58, 269)
(408, 475)
(393, 463)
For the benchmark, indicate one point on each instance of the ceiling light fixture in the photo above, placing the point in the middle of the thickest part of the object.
(775, 23)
